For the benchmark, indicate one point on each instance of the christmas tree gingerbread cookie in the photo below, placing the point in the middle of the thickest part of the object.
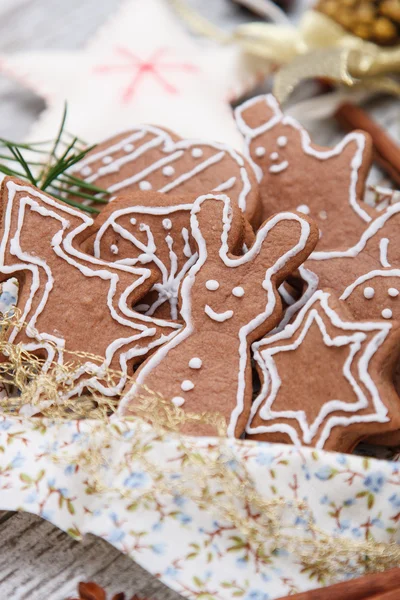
(342, 390)
(294, 174)
(72, 301)
(226, 302)
(150, 158)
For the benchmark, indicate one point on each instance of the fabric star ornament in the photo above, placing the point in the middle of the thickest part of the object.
(141, 67)
(326, 379)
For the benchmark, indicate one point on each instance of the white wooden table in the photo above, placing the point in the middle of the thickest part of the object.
(38, 561)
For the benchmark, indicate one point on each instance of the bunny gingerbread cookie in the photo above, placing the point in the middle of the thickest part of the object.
(70, 300)
(343, 387)
(294, 174)
(226, 302)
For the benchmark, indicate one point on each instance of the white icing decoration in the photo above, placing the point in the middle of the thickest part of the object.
(220, 317)
(195, 363)
(167, 223)
(173, 151)
(387, 313)
(282, 141)
(260, 151)
(187, 251)
(238, 292)
(63, 245)
(226, 185)
(145, 185)
(168, 171)
(383, 248)
(244, 327)
(278, 117)
(107, 160)
(187, 385)
(178, 401)
(323, 215)
(393, 292)
(274, 156)
(133, 221)
(279, 167)
(303, 208)
(128, 147)
(265, 350)
(114, 248)
(369, 293)
(212, 285)
(85, 171)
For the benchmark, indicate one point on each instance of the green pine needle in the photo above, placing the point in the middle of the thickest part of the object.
(50, 169)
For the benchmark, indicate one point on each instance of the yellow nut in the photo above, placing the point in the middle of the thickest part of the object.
(362, 30)
(390, 9)
(384, 31)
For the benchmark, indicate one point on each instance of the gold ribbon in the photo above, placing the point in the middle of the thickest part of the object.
(317, 47)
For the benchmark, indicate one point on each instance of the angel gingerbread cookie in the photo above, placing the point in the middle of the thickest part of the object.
(342, 390)
(150, 158)
(226, 302)
(72, 301)
(294, 174)
(152, 230)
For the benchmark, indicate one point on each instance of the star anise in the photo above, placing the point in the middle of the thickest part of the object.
(92, 591)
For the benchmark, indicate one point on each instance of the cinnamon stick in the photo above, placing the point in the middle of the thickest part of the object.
(386, 150)
(369, 587)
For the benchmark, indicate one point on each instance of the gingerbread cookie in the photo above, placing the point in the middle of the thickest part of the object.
(69, 299)
(227, 302)
(367, 275)
(153, 230)
(342, 390)
(151, 158)
(294, 174)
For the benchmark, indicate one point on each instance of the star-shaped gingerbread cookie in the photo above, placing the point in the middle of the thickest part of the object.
(294, 174)
(72, 301)
(326, 379)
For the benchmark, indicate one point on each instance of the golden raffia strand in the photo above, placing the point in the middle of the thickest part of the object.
(318, 47)
(213, 477)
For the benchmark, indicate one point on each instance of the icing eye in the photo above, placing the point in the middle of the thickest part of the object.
(387, 313)
(178, 401)
(393, 292)
(145, 185)
(167, 223)
(114, 248)
(197, 152)
(238, 291)
(282, 141)
(260, 151)
(133, 221)
(212, 285)
(187, 385)
(303, 208)
(168, 171)
(323, 215)
(369, 293)
(274, 156)
(195, 363)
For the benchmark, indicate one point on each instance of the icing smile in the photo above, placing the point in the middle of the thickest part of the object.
(221, 317)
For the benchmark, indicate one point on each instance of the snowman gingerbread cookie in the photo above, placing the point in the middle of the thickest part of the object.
(226, 302)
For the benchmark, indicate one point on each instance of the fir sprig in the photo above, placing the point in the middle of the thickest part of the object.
(49, 169)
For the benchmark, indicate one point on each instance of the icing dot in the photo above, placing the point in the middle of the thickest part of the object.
(238, 292)
(114, 248)
(168, 171)
(145, 185)
(323, 215)
(133, 221)
(274, 156)
(86, 171)
(195, 363)
(212, 285)
(282, 141)
(369, 293)
(178, 401)
(303, 208)
(187, 385)
(128, 147)
(393, 292)
(387, 313)
(197, 152)
(167, 223)
(260, 151)
(107, 160)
